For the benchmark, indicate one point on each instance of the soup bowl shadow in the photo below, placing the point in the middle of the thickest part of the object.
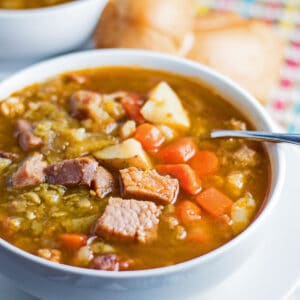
(48, 280)
(42, 32)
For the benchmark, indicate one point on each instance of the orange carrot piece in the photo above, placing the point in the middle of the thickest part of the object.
(199, 233)
(149, 136)
(73, 241)
(132, 105)
(188, 212)
(205, 163)
(188, 179)
(214, 202)
(178, 152)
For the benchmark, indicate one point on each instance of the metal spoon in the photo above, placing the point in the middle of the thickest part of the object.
(292, 138)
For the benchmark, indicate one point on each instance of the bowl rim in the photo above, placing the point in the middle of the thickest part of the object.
(53, 9)
(169, 59)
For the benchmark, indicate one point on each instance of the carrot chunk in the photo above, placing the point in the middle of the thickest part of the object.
(132, 105)
(199, 234)
(214, 202)
(188, 212)
(205, 163)
(149, 136)
(188, 179)
(178, 152)
(73, 241)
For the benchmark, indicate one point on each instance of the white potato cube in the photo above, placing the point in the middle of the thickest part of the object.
(127, 129)
(242, 212)
(126, 154)
(164, 107)
(235, 182)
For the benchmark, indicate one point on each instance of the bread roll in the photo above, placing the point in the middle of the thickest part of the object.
(247, 51)
(217, 20)
(160, 25)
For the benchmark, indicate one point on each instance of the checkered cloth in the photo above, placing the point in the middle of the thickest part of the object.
(284, 16)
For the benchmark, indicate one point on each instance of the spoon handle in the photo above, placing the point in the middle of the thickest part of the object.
(292, 138)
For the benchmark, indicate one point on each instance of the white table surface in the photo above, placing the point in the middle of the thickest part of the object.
(272, 272)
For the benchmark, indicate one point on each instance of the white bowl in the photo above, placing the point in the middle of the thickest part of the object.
(54, 281)
(42, 32)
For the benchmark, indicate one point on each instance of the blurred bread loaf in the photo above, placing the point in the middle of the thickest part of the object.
(247, 51)
(160, 25)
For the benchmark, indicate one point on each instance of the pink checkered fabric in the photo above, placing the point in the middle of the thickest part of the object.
(284, 16)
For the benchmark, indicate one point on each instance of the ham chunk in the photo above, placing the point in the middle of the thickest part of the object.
(103, 182)
(78, 171)
(149, 184)
(30, 172)
(129, 219)
(85, 104)
(26, 139)
(246, 157)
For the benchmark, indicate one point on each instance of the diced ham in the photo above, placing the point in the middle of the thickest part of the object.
(71, 172)
(149, 184)
(85, 104)
(9, 155)
(30, 172)
(246, 156)
(129, 219)
(24, 133)
(109, 262)
(103, 182)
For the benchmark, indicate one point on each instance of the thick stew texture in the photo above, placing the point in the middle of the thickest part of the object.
(27, 4)
(112, 169)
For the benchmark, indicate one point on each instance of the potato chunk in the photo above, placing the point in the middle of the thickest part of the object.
(126, 154)
(235, 182)
(242, 212)
(164, 107)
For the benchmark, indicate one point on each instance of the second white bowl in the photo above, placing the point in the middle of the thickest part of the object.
(42, 32)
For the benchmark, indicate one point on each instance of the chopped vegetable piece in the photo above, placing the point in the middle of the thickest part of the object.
(188, 179)
(214, 202)
(188, 212)
(235, 182)
(178, 152)
(199, 233)
(205, 163)
(132, 104)
(53, 255)
(242, 212)
(149, 136)
(83, 256)
(126, 154)
(168, 132)
(127, 129)
(73, 241)
(164, 107)
(4, 163)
